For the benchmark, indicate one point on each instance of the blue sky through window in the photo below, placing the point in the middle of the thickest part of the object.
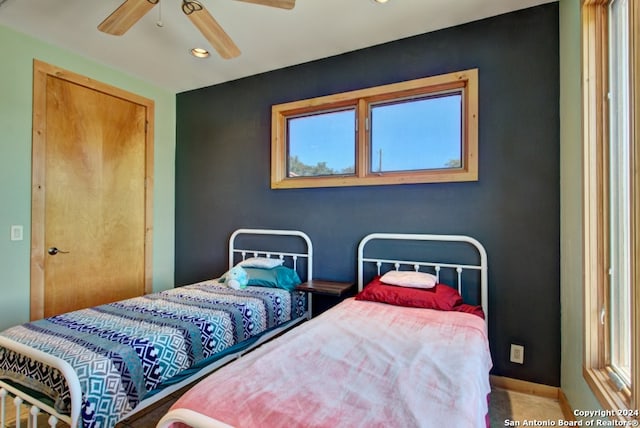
(420, 134)
(327, 137)
(414, 134)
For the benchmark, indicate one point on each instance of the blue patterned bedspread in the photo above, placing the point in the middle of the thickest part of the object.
(122, 350)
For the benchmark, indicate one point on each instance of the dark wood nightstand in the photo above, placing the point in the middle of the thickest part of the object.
(329, 293)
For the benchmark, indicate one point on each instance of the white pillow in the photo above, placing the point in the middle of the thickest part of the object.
(406, 278)
(261, 262)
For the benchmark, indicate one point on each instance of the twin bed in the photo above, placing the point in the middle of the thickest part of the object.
(96, 366)
(385, 357)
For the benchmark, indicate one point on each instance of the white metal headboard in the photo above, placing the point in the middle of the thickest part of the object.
(245, 252)
(436, 266)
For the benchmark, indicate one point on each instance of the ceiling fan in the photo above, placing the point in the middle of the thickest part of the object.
(131, 11)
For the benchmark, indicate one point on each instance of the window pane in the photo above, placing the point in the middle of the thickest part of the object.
(417, 134)
(620, 289)
(322, 144)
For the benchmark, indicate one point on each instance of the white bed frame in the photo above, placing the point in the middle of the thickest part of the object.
(435, 267)
(197, 420)
(73, 420)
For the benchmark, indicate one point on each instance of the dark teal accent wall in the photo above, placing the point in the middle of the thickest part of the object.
(223, 173)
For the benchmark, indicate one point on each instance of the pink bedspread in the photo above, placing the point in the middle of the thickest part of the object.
(361, 364)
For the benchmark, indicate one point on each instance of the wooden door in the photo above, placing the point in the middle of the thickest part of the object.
(92, 155)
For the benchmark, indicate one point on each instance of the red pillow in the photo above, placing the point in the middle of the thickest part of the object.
(470, 309)
(441, 297)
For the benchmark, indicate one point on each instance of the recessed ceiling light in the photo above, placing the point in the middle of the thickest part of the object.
(200, 52)
(380, 1)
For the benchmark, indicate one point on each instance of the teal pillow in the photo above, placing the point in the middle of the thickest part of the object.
(277, 277)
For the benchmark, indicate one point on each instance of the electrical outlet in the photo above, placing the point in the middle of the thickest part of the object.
(517, 354)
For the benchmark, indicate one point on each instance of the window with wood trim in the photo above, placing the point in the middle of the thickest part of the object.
(611, 69)
(418, 131)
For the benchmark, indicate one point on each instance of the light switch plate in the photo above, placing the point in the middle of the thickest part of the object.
(16, 233)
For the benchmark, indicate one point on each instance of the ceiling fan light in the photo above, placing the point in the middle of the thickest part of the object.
(200, 52)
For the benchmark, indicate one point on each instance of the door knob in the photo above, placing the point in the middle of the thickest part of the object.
(53, 251)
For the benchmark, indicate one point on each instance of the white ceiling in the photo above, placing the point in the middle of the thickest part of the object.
(268, 38)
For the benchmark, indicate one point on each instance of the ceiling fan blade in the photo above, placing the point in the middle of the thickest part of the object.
(210, 29)
(127, 14)
(282, 4)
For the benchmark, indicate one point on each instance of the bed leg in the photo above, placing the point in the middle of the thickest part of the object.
(3, 395)
(18, 403)
(53, 421)
(33, 419)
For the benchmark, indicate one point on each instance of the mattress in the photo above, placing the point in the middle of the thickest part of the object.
(360, 364)
(124, 350)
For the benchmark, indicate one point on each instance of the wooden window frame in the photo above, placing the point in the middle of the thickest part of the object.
(466, 82)
(596, 210)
